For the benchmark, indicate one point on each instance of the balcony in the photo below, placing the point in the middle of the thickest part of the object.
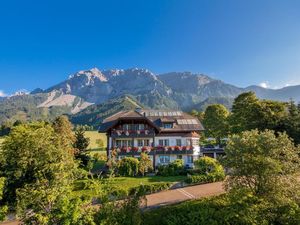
(132, 133)
(154, 150)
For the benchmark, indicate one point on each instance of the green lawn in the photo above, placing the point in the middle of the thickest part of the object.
(129, 182)
(94, 137)
(124, 184)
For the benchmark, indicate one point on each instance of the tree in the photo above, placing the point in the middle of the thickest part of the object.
(245, 112)
(33, 153)
(80, 145)
(145, 164)
(215, 121)
(51, 205)
(128, 166)
(248, 112)
(263, 164)
(3, 209)
(81, 142)
(292, 121)
(63, 129)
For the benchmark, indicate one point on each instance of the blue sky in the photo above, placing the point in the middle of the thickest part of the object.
(242, 42)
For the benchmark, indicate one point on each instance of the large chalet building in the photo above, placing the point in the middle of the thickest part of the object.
(165, 135)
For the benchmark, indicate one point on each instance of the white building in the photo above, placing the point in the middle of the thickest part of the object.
(165, 135)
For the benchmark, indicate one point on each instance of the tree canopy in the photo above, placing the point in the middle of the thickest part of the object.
(215, 121)
(263, 163)
(33, 153)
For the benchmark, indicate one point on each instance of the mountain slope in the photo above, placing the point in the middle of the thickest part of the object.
(283, 94)
(176, 90)
(94, 115)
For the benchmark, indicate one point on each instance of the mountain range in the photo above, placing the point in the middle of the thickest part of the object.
(90, 95)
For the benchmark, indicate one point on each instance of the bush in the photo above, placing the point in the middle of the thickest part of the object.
(208, 165)
(223, 210)
(145, 164)
(120, 193)
(207, 170)
(175, 168)
(150, 188)
(202, 179)
(128, 166)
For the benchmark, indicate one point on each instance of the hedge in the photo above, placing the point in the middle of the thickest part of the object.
(202, 179)
(142, 189)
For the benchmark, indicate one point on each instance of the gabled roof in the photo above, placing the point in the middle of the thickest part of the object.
(181, 121)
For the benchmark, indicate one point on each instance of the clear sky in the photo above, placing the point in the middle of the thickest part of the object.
(242, 42)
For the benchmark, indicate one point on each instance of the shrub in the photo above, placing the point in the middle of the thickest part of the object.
(207, 170)
(150, 188)
(208, 165)
(222, 210)
(145, 164)
(202, 179)
(128, 166)
(175, 168)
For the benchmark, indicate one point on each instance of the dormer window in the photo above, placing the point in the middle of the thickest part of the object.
(168, 125)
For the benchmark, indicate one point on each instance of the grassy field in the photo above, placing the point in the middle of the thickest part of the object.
(94, 137)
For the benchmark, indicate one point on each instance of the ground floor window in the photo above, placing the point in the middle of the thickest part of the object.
(179, 156)
(164, 159)
(190, 159)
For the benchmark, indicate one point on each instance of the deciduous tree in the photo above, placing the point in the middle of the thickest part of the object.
(33, 153)
(215, 121)
(262, 163)
(63, 129)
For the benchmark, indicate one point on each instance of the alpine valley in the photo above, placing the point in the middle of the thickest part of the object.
(91, 95)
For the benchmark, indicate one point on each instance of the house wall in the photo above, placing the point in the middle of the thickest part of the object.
(172, 142)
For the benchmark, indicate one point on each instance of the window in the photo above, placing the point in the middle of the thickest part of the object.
(163, 142)
(124, 143)
(160, 142)
(188, 142)
(179, 156)
(118, 143)
(168, 125)
(190, 159)
(140, 143)
(126, 127)
(195, 142)
(164, 159)
(178, 142)
(141, 127)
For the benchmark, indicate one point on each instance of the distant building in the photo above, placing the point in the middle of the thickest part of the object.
(166, 135)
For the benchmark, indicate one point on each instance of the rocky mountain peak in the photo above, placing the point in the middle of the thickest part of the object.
(91, 74)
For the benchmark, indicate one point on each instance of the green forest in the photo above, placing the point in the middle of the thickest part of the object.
(49, 172)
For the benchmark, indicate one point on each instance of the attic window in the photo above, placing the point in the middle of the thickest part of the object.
(168, 125)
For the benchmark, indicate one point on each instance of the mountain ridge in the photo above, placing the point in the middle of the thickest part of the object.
(173, 90)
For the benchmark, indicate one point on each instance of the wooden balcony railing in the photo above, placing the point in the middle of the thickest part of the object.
(132, 133)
